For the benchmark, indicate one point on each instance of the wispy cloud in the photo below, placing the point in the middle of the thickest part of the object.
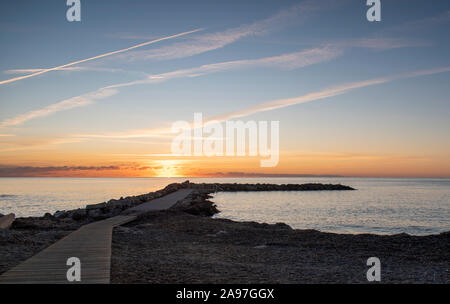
(85, 171)
(326, 93)
(198, 44)
(421, 24)
(331, 49)
(27, 71)
(23, 144)
(255, 174)
(74, 69)
(21, 171)
(287, 61)
(213, 41)
(63, 105)
(97, 57)
(379, 43)
(274, 104)
(166, 132)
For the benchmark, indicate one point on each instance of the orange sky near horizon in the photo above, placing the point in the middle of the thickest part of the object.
(290, 163)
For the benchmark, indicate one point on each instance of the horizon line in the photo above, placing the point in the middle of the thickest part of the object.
(251, 176)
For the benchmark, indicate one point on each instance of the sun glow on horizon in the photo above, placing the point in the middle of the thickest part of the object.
(167, 168)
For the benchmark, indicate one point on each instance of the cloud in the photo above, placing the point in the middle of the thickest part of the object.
(275, 104)
(379, 43)
(213, 41)
(22, 171)
(415, 25)
(27, 71)
(64, 105)
(291, 61)
(34, 143)
(83, 171)
(201, 43)
(74, 69)
(97, 57)
(287, 61)
(254, 174)
(326, 93)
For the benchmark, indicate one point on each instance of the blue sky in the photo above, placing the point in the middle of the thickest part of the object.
(325, 44)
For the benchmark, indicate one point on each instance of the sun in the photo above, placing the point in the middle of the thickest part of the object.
(167, 168)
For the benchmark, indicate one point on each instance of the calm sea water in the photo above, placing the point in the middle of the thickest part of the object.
(382, 206)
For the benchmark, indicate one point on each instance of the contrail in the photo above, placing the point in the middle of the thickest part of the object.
(325, 93)
(276, 104)
(98, 56)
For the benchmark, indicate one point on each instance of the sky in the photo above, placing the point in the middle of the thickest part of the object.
(96, 98)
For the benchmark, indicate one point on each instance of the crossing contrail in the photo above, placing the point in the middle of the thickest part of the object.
(98, 56)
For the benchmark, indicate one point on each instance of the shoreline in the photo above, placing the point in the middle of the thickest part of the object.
(184, 243)
(176, 247)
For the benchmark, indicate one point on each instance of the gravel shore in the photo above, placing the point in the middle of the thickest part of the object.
(17, 246)
(176, 247)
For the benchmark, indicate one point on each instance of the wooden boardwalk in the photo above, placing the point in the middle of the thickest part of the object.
(91, 244)
(162, 203)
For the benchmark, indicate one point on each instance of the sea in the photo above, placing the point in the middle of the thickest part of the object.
(379, 205)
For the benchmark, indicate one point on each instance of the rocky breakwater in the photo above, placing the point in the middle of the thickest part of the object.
(197, 203)
(233, 187)
(114, 207)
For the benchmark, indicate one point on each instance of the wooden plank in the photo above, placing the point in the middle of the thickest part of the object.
(162, 203)
(90, 243)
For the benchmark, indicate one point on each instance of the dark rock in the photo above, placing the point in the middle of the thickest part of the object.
(60, 214)
(78, 214)
(33, 223)
(95, 206)
(7, 220)
(48, 216)
(202, 208)
(283, 226)
(95, 213)
(213, 187)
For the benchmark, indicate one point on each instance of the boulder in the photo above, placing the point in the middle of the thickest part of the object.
(67, 220)
(96, 206)
(7, 220)
(127, 203)
(48, 216)
(202, 208)
(184, 203)
(78, 214)
(115, 212)
(112, 204)
(95, 213)
(60, 214)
